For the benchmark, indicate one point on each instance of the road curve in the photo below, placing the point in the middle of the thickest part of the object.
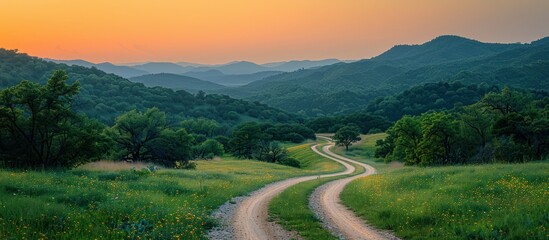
(340, 219)
(250, 220)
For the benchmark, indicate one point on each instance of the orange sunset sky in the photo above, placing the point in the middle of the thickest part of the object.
(218, 31)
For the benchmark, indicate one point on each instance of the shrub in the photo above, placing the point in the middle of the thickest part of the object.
(292, 162)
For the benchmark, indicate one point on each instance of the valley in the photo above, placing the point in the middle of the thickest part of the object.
(267, 120)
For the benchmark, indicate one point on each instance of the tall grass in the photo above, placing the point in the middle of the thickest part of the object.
(501, 201)
(110, 201)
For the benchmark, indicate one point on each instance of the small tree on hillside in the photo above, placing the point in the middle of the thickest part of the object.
(347, 135)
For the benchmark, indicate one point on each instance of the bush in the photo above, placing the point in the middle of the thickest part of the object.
(294, 137)
(292, 162)
(185, 165)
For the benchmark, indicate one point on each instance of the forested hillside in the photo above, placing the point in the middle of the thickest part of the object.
(347, 87)
(105, 96)
(176, 82)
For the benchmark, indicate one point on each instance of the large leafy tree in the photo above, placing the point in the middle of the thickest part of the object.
(208, 149)
(246, 139)
(407, 137)
(440, 135)
(346, 136)
(145, 136)
(38, 129)
(134, 130)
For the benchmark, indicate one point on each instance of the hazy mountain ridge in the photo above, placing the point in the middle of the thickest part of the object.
(123, 71)
(176, 82)
(218, 77)
(235, 73)
(446, 58)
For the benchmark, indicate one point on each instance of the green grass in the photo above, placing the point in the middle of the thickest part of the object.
(291, 207)
(311, 161)
(166, 204)
(500, 201)
(364, 151)
(291, 210)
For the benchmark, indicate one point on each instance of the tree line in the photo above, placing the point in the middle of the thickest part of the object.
(504, 126)
(39, 129)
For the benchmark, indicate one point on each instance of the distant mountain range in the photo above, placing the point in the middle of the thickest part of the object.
(123, 71)
(331, 86)
(346, 87)
(230, 74)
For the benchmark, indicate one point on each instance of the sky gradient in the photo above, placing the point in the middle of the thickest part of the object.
(219, 31)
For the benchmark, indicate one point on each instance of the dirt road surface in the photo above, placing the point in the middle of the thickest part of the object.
(336, 217)
(251, 216)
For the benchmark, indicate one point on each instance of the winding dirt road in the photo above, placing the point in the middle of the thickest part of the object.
(250, 220)
(339, 219)
(251, 217)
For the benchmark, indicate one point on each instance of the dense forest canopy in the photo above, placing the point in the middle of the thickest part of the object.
(40, 129)
(504, 126)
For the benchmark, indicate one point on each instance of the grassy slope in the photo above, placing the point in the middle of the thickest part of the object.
(500, 201)
(312, 161)
(85, 203)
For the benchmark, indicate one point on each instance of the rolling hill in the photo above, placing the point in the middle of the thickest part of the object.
(176, 82)
(105, 96)
(230, 80)
(295, 65)
(162, 67)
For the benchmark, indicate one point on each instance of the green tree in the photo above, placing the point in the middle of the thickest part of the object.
(475, 118)
(134, 130)
(507, 101)
(347, 135)
(170, 147)
(39, 129)
(245, 140)
(204, 126)
(271, 152)
(407, 137)
(208, 149)
(439, 137)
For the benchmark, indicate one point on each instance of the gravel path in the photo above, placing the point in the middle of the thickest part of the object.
(337, 218)
(247, 218)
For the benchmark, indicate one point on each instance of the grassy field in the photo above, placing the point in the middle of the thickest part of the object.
(92, 202)
(291, 210)
(457, 202)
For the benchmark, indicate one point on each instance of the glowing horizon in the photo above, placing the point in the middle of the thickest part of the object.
(260, 31)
